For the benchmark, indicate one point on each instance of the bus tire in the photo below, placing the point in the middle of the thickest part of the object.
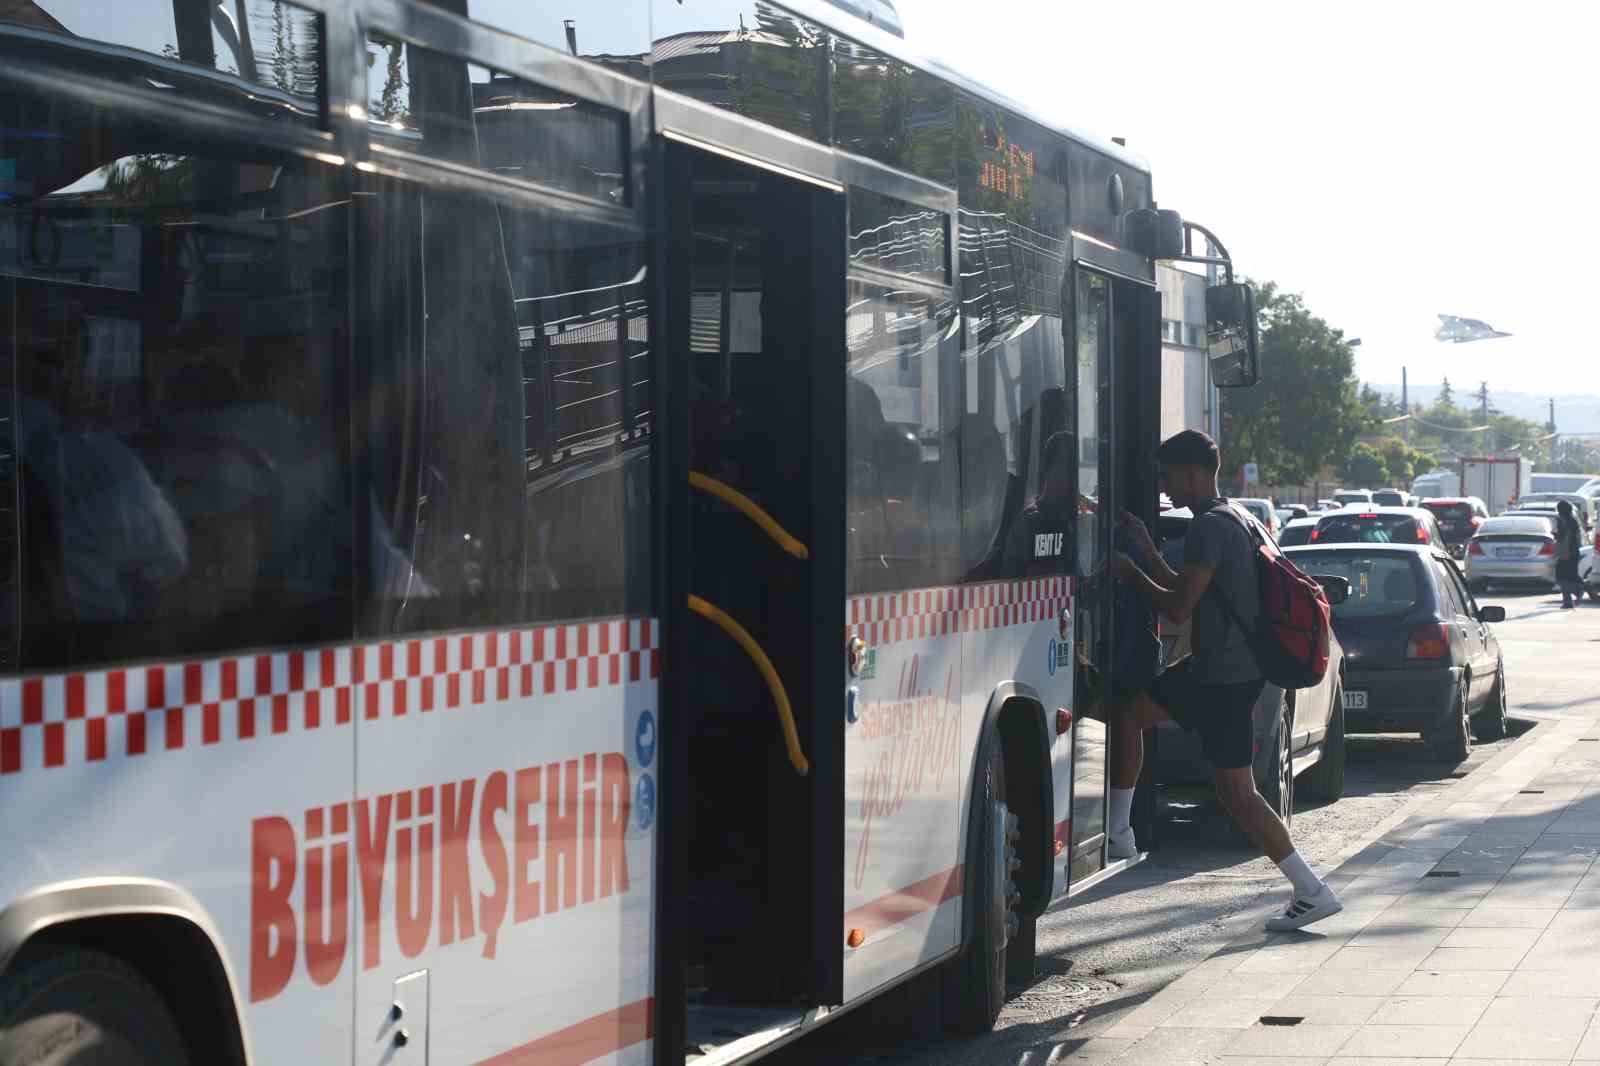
(976, 981)
(85, 1008)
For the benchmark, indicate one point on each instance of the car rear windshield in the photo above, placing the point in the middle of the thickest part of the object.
(1451, 512)
(1529, 526)
(1352, 497)
(1354, 527)
(1389, 499)
(1380, 585)
(1293, 535)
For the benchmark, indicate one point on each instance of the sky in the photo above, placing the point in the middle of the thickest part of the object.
(1390, 161)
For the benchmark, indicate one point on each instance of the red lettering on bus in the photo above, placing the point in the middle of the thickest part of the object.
(372, 850)
(572, 815)
(492, 907)
(455, 873)
(561, 837)
(525, 843)
(272, 847)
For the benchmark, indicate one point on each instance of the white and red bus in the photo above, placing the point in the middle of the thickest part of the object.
(527, 541)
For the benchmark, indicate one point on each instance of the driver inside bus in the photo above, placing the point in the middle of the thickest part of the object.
(1041, 540)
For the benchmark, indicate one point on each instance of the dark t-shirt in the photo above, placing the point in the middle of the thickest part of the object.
(1220, 652)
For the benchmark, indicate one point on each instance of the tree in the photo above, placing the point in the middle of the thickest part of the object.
(1306, 412)
(1364, 466)
(1447, 395)
(1403, 462)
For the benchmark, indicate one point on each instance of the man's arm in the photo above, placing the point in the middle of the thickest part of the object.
(1175, 600)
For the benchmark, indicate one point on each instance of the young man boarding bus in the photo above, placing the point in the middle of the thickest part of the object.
(1214, 691)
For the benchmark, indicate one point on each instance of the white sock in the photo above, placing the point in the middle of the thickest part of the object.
(1306, 883)
(1121, 810)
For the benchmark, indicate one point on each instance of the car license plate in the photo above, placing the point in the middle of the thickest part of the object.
(1355, 701)
(1510, 553)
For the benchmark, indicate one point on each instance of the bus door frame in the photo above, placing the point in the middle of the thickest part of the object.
(685, 127)
(1132, 426)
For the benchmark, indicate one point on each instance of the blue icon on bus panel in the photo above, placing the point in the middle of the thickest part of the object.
(1052, 661)
(644, 800)
(644, 738)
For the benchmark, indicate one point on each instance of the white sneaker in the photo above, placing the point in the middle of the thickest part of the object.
(1303, 910)
(1122, 845)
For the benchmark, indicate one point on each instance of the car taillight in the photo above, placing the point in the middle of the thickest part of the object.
(1316, 534)
(1473, 547)
(1428, 642)
(1548, 548)
(1422, 533)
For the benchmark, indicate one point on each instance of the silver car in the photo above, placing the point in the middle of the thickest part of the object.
(1512, 550)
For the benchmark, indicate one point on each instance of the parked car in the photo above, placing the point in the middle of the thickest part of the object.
(1298, 735)
(1419, 655)
(1263, 511)
(1459, 517)
(1398, 525)
(1512, 550)
(1345, 497)
(1298, 531)
(1589, 572)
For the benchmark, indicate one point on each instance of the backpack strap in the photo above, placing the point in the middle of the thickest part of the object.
(1245, 519)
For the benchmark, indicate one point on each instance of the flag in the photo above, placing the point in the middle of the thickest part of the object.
(1461, 330)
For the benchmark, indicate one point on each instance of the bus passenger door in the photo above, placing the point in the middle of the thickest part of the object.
(1092, 609)
(754, 284)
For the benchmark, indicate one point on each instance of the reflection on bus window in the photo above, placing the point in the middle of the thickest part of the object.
(181, 347)
(1093, 334)
(506, 125)
(1016, 399)
(274, 47)
(902, 468)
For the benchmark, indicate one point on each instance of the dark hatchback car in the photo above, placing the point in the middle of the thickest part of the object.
(1459, 518)
(1419, 653)
(1378, 525)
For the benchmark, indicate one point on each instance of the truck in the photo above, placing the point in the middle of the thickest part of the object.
(1437, 483)
(1497, 481)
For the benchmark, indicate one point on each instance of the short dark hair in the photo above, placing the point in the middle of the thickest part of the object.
(1190, 448)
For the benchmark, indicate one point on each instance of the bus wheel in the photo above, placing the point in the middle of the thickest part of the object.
(977, 987)
(85, 1008)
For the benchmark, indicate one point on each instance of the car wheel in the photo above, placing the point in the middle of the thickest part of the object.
(1452, 741)
(1491, 721)
(1275, 767)
(1325, 781)
(976, 986)
(81, 1006)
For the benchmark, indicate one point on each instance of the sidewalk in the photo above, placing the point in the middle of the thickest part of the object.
(1470, 935)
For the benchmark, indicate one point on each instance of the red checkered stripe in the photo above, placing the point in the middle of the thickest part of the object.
(71, 719)
(889, 617)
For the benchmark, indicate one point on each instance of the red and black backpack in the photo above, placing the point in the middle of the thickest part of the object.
(1290, 637)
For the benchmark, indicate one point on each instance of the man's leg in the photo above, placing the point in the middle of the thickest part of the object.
(1313, 900)
(1236, 791)
(1127, 759)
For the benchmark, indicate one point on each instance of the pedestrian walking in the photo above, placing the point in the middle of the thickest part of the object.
(1568, 538)
(1214, 691)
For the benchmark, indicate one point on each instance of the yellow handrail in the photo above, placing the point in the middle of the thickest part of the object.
(791, 738)
(751, 510)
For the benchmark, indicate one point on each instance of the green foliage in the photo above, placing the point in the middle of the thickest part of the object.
(1574, 455)
(1306, 412)
(1364, 467)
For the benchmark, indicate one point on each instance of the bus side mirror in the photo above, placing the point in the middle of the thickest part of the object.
(1231, 335)
(1337, 589)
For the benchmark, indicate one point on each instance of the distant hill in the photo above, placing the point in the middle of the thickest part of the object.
(1574, 414)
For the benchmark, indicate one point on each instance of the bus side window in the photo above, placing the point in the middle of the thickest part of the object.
(180, 419)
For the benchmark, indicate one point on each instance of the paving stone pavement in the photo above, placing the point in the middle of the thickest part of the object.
(1470, 936)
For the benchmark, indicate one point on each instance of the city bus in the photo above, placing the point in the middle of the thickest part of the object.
(543, 539)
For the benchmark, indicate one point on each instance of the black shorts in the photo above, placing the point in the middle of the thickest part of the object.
(1223, 714)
